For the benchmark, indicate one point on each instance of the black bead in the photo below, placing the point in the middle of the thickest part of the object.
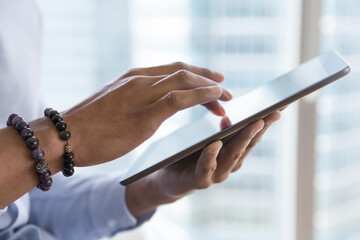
(68, 172)
(57, 118)
(47, 111)
(32, 142)
(53, 113)
(68, 157)
(65, 135)
(68, 169)
(69, 165)
(61, 126)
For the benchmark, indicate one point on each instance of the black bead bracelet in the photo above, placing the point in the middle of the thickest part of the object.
(64, 135)
(37, 154)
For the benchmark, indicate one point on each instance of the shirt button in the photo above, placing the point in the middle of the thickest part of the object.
(111, 223)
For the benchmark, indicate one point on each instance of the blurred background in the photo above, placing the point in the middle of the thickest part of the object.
(302, 181)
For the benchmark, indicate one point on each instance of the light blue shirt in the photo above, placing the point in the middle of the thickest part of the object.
(79, 207)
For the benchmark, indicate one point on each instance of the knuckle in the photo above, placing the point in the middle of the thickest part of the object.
(203, 184)
(252, 144)
(173, 99)
(236, 156)
(137, 71)
(180, 65)
(220, 179)
(208, 170)
(183, 75)
(133, 72)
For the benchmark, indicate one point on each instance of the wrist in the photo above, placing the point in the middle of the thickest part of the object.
(146, 195)
(50, 143)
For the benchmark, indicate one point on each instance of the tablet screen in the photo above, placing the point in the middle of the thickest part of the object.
(304, 77)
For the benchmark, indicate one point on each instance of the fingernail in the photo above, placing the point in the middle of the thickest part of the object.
(219, 75)
(227, 93)
(228, 122)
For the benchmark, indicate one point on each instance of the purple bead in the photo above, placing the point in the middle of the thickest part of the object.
(32, 142)
(47, 183)
(8, 123)
(26, 133)
(44, 176)
(11, 117)
(38, 154)
(16, 119)
(43, 188)
(21, 125)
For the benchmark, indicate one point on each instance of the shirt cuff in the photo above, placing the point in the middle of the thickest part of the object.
(112, 214)
(8, 216)
(3, 210)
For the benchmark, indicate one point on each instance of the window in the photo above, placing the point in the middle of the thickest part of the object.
(87, 43)
(337, 189)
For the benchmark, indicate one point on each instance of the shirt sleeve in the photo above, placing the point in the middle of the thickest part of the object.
(83, 207)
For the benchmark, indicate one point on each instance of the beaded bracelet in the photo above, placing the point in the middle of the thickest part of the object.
(37, 153)
(64, 135)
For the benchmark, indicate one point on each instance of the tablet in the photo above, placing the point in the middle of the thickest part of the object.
(188, 141)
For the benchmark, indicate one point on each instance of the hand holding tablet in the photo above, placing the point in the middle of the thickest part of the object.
(214, 165)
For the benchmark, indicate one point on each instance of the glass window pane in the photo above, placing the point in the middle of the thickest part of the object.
(337, 189)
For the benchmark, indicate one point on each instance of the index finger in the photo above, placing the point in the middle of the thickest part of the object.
(169, 69)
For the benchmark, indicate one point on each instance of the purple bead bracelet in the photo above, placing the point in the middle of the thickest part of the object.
(37, 153)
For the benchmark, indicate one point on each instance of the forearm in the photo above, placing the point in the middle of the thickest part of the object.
(17, 168)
